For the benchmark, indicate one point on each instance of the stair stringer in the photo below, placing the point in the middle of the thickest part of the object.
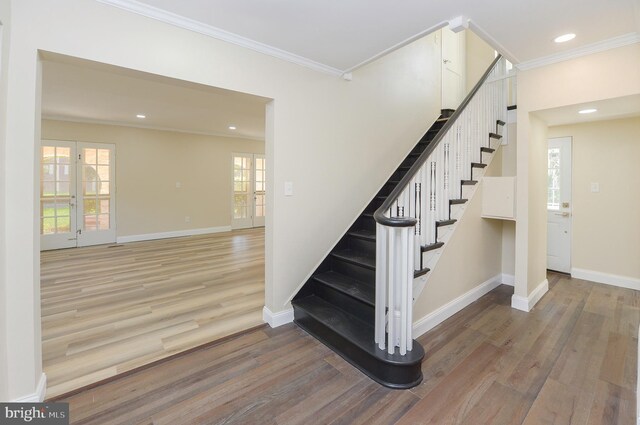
(431, 258)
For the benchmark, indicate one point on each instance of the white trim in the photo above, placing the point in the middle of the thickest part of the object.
(606, 278)
(39, 395)
(508, 279)
(173, 234)
(433, 319)
(512, 116)
(398, 46)
(147, 127)
(527, 303)
(217, 33)
(600, 46)
(277, 319)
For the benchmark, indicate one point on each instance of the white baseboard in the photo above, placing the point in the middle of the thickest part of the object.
(173, 234)
(606, 278)
(38, 395)
(508, 279)
(527, 303)
(277, 319)
(433, 319)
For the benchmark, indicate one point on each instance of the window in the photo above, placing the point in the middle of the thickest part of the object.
(553, 179)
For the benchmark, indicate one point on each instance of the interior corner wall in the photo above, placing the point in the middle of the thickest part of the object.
(337, 141)
(604, 75)
(605, 152)
(5, 28)
(148, 165)
(471, 257)
(479, 56)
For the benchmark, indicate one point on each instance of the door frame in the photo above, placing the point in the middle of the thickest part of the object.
(566, 144)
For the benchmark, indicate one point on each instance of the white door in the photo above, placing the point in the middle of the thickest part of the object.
(559, 205)
(249, 187)
(77, 202)
(453, 68)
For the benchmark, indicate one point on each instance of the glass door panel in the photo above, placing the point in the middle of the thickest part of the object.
(57, 200)
(242, 191)
(260, 187)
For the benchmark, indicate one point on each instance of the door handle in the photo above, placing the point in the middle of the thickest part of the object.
(564, 214)
(446, 60)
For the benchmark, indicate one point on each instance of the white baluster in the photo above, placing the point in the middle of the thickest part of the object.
(381, 284)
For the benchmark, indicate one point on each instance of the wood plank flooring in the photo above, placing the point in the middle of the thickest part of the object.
(572, 360)
(109, 309)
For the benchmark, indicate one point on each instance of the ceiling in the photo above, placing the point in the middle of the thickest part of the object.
(78, 90)
(343, 34)
(608, 109)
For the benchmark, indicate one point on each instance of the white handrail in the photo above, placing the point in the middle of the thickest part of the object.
(425, 199)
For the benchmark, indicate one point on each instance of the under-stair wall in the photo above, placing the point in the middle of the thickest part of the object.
(469, 264)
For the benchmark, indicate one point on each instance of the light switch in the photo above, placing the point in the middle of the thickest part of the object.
(178, 185)
(288, 188)
(595, 187)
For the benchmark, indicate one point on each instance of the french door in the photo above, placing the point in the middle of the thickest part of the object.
(249, 191)
(77, 202)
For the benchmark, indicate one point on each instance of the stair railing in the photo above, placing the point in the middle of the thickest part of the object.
(406, 220)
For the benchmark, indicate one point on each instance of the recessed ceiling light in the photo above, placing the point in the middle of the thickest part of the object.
(141, 116)
(232, 127)
(588, 111)
(565, 37)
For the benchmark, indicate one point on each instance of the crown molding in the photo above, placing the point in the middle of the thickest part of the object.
(146, 127)
(220, 34)
(600, 46)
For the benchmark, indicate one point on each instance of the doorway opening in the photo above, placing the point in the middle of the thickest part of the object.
(152, 267)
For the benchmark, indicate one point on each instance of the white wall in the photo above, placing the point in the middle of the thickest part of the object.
(605, 75)
(479, 57)
(148, 165)
(605, 225)
(337, 141)
(5, 13)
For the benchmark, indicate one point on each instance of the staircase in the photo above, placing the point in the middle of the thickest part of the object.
(358, 302)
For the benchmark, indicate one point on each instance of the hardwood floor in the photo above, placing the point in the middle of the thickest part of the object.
(572, 360)
(109, 309)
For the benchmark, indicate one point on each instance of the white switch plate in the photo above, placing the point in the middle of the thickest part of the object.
(595, 187)
(178, 185)
(288, 188)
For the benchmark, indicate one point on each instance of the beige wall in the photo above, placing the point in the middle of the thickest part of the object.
(149, 163)
(337, 141)
(509, 155)
(471, 257)
(5, 12)
(605, 225)
(479, 57)
(605, 75)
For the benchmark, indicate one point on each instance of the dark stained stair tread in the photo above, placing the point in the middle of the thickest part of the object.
(348, 285)
(431, 247)
(445, 223)
(487, 150)
(457, 201)
(500, 122)
(495, 136)
(369, 235)
(468, 182)
(421, 272)
(355, 257)
(478, 165)
(353, 339)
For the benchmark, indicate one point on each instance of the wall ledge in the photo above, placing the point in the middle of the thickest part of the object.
(527, 303)
(173, 234)
(38, 395)
(433, 319)
(277, 319)
(606, 278)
